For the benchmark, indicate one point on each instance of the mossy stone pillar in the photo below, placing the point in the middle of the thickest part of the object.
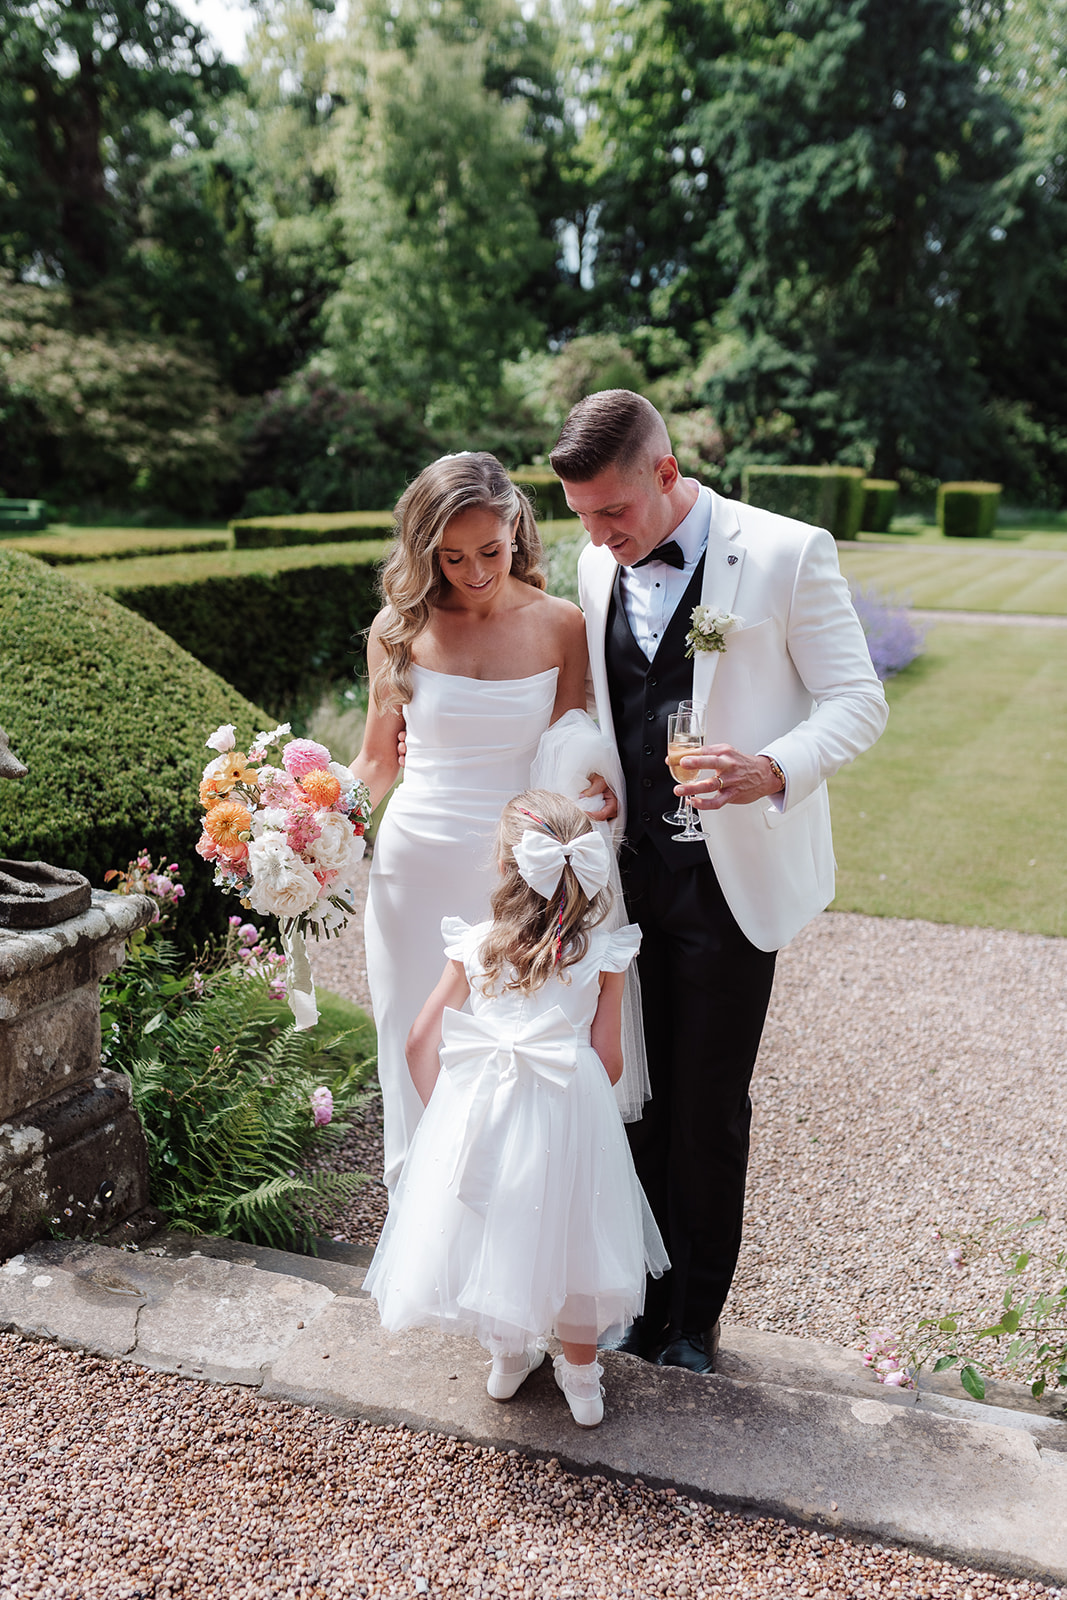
(71, 1145)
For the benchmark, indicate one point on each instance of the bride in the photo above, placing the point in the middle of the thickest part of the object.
(473, 662)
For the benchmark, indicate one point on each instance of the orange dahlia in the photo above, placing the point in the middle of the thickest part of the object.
(321, 787)
(209, 794)
(225, 823)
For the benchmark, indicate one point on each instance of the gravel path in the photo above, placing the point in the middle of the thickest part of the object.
(912, 1076)
(122, 1484)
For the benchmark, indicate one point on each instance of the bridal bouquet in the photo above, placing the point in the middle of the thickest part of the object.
(284, 838)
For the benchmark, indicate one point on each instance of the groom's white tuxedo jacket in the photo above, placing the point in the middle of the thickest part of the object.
(795, 682)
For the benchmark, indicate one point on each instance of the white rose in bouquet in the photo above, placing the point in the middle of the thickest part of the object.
(331, 850)
(282, 886)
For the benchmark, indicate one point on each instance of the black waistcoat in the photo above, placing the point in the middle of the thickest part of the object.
(643, 694)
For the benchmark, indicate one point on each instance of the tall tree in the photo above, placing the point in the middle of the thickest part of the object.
(867, 172)
(436, 170)
(75, 76)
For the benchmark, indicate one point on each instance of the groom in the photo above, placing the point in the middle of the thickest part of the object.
(789, 700)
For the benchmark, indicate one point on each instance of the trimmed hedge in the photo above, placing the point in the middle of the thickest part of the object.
(272, 622)
(115, 544)
(310, 527)
(968, 510)
(827, 497)
(110, 716)
(545, 490)
(879, 504)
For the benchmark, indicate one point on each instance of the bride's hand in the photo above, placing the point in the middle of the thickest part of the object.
(609, 810)
(402, 745)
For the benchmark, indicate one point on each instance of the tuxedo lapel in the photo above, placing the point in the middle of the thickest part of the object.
(599, 573)
(722, 574)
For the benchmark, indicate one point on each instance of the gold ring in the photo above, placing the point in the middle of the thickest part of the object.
(719, 776)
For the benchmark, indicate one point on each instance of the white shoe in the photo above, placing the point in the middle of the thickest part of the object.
(583, 1391)
(509, 1373)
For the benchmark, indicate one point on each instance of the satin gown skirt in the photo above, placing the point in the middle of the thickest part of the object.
(470, 745)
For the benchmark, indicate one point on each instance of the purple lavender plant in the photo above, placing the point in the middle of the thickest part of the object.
(893, 637)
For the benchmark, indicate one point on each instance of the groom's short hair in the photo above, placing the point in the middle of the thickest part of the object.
(612, 428)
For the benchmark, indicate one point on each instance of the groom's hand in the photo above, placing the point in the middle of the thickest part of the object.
(727, 778)
(610, 807)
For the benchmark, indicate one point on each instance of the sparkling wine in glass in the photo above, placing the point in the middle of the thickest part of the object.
(684, 735)
(677, 816)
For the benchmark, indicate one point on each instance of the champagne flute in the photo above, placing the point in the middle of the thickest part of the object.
(677, 817)
(684, 735)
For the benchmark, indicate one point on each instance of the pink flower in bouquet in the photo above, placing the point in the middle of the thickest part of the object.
(207, 848)
(321, 1106)
(304, 755)
(277, 788)
(302, 828)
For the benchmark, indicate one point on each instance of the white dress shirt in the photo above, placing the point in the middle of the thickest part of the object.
(650, 593)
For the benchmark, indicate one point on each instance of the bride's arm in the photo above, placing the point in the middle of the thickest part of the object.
(377, 763)
(574, 661)
(571, 696)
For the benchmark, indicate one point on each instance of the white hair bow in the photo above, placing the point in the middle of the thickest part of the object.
(541, 859)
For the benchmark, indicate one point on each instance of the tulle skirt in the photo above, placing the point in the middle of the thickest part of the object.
(559, 1237)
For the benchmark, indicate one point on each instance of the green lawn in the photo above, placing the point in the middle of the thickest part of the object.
(983, 579)
(957, 814)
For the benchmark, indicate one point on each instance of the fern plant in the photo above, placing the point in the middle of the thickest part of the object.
(225, 1099)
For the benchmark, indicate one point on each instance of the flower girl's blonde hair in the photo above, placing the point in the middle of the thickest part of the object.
(533, 937)
(412, 582)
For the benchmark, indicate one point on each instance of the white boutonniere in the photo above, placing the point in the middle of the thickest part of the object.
(710, 628)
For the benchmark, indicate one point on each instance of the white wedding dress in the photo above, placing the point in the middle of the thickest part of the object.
(470, 747)
(518, 1212)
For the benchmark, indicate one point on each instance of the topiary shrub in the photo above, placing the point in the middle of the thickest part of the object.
(879, 504)
(827, 497)
(274, 623)
(110, 716)
(968, 510)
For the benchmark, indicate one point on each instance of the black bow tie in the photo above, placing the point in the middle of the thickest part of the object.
(671, 553)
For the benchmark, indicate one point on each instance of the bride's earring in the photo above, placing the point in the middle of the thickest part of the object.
(514, 546)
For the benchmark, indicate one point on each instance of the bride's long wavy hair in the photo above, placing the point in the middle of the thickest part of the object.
(412, 582)
(532, 937)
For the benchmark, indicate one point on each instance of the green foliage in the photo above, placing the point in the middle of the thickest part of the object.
(879, 503)
(861, 197)
(544, 489)
(435, 173)
(827, 497)
(968, 510)
(110, 717)
(275, 623)
(107, 413)
(1028, 1334)
(327, 448)
(223, 1086)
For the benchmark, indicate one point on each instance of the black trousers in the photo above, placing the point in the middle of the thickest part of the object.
(705, 990)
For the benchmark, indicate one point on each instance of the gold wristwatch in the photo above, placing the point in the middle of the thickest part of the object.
(778, 773)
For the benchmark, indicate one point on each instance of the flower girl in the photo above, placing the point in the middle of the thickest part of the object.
(518, 1213)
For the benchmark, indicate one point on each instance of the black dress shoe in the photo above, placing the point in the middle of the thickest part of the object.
(641, 1338)
(696, 1352)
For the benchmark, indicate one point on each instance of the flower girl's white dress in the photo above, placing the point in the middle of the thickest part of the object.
(519, 1191)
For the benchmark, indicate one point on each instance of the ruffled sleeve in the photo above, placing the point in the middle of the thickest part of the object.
(617, 949)
(457, 937)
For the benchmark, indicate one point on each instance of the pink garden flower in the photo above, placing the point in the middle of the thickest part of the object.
(304, 755)
(321, 1106)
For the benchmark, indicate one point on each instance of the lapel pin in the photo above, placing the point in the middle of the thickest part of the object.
(731, 561)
